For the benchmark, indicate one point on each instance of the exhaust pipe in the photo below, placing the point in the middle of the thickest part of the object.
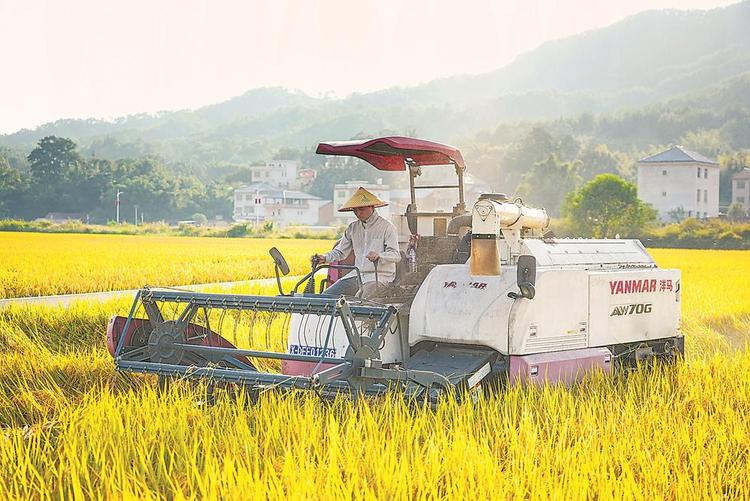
(487, 219)
(485, 255)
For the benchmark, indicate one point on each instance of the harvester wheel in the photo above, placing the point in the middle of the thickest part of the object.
(161, 343)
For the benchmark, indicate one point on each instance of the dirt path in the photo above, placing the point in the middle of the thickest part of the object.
(65, 299)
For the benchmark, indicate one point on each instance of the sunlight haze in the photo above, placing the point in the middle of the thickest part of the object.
(79, 59)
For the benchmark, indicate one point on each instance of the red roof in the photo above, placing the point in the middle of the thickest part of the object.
(389, 153)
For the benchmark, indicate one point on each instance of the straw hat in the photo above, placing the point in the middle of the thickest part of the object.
(362, 198)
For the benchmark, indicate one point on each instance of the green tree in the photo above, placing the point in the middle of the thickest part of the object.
(200, 219)
(14, 158)
(61, 180)
(599, 159)
(52, 159)
(145, 182)
(340, 170)
(287, 154)
(547, 183)
(535, 147)
(605, 207)
(12, 190)
(218, 200)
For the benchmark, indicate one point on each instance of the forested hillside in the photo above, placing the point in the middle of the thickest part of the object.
(541, 159)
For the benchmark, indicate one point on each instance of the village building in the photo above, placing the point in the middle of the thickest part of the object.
(260, 202)
(741, 188)
(344, 191)
(277, 173)
(327, 213)
(679, 184)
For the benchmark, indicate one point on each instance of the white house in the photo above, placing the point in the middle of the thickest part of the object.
(344, 191)
(260, 202)
(277, 173)
(679, 183)
(741, 188)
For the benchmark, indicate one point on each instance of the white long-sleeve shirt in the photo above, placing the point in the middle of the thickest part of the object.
(375, 234)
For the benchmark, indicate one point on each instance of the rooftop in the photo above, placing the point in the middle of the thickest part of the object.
(364, 184)
(677, 154)
(743, 174)
(273, 192)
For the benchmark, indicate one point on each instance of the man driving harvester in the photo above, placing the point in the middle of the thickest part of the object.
(373, 240)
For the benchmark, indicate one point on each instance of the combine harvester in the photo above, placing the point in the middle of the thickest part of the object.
(489, 299)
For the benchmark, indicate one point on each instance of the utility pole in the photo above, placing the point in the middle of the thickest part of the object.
(136, 215)
(117, 204)
(257, 207)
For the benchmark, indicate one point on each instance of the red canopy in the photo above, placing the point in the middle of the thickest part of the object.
(389, 153)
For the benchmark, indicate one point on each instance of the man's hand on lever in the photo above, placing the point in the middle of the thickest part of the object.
(374, 257)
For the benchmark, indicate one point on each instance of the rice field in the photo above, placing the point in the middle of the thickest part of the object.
(73, 428)
(38, 264)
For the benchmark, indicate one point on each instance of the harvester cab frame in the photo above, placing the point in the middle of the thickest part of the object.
(397, 153)
(490, 300)
(438, 237)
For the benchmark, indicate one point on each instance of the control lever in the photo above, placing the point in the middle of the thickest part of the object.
(310, 285)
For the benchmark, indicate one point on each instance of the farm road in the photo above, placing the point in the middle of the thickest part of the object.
(66, 299)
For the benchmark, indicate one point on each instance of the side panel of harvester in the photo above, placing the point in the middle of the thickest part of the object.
(576, 309)
(452, 306)
(556, 319)
(633, 306)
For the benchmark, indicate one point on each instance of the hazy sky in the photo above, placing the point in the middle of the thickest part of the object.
(100, 58)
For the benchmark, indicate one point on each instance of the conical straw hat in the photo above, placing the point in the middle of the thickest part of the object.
(362, 198)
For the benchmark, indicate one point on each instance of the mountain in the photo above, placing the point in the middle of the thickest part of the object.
(649, 55)
(644, 59)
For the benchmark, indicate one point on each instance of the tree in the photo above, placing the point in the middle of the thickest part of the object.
(218, 200)
(13, 158)
(12, 190)
(61, 180)
(340, 170)
(200, 219)
(599, 159)
(547, 183)
(537, 146)
(146, 183)
(287, 154)
(53, 158)
(607, 206)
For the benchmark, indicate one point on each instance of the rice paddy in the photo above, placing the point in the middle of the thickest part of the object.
(73, 428)
(38, 264)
